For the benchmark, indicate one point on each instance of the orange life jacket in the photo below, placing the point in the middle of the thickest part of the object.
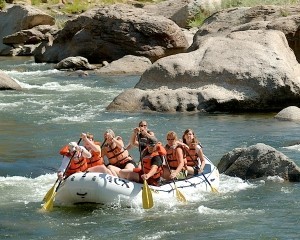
(147, 167)
(96, 158)
(192, 156)
(117, 156)
(77, 164)
(172, 157)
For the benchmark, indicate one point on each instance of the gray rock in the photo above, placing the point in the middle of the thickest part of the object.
(258, 161)
(291, 113)
(17, 18)
(252, 70)
(112, 32)
(126, 65)
(8, 83)
(181, 11)
(75, 63)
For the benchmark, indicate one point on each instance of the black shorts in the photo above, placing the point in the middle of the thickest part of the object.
(123, 165)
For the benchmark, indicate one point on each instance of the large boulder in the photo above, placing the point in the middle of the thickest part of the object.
(282, 18)
(17, 18)
(75, 63)
(126, 65)
(181, 11)
(258, 161)
(8, 83)
(111, 32)
(253, 70)
(291, 113)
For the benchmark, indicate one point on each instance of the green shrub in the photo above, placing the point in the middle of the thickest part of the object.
(2, 4)
(78, 6)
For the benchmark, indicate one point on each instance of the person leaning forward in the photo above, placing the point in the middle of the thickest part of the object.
(150, 168)
(76, 156)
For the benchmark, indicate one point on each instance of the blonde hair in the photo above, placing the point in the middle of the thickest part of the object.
(90, 135)
(111, 132)
(172, 134)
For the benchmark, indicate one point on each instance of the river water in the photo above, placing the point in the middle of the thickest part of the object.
(55, 107)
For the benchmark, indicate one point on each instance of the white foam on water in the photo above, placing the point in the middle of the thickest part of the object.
(293, 147)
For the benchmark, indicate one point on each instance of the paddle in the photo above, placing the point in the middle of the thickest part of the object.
(49, 197)
(179, 195)
(50, 192)
(146, 193)
(147, 196)
(212, 188)
(103, 143)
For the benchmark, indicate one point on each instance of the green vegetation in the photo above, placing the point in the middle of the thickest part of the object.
(252, 3)
(76, 7)
(39, 2)
(2, 4)
(203, 14)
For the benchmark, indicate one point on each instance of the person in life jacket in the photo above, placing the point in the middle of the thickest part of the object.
(118, 157)
(140, 136)
(95, 163)
(150, 167)
(194, 154)
(74, 160)
(175, 167)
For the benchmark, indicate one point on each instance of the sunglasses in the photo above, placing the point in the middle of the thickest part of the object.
(170, 139)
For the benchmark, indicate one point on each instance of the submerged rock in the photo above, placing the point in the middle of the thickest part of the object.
(8, 83)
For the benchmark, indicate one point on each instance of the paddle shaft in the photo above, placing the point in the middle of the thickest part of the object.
(69, 163)
(166, 160)
(146, 192)
(212, 188)
(103, 143)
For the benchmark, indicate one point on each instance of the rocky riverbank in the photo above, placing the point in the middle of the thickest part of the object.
(240, 59)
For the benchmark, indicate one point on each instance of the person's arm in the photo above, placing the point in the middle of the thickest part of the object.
(134, 139)
(147, 133)
(61, 170)
(94, 147)
(118, 142)
(85, 153)
(152, 171)
(155, 163)
(201, 157)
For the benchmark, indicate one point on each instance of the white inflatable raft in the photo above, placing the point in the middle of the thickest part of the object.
(101, 188)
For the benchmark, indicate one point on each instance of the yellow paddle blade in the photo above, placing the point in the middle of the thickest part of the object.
(180, 196)
(48, 206)
(49, 194)
(147, 196)
(214, 189)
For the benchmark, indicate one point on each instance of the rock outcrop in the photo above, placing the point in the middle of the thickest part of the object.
(258, 161)
(181, 11)
(253, 70)
(111, 32)
(15, 19)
